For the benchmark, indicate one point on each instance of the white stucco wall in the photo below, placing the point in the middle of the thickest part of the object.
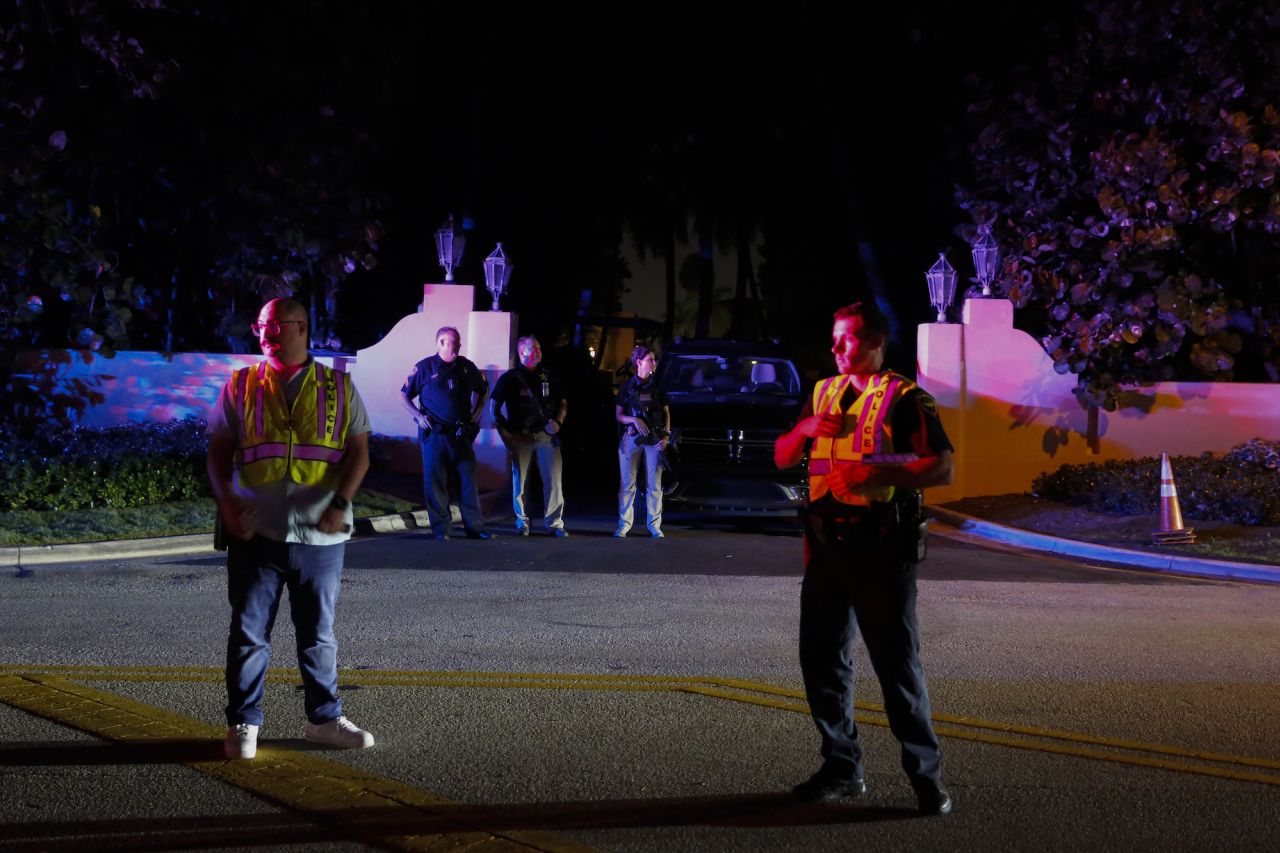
(1011, 417)
(81, 386)
(488, 339)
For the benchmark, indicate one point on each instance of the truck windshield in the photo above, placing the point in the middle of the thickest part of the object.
(717, 374)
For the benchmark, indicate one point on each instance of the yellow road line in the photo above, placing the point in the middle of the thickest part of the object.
(739, 690)
(1043, 746)
(1118, 743)
(355, 802)
(1113, 757)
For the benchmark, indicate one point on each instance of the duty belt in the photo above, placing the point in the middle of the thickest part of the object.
(852, 525)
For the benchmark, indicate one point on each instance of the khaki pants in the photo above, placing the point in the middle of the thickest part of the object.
(629, 454)
(550, 465)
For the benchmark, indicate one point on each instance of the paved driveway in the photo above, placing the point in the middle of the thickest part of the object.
(636, 695)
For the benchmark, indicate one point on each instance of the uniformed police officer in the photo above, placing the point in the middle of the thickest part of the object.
(450, 392)
(529, 408)
(860, 536)
(641, 408)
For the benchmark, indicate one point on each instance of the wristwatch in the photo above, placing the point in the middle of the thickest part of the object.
(339, 502)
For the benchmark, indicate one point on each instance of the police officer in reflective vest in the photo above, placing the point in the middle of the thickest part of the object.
(288, 447)
(873, 438)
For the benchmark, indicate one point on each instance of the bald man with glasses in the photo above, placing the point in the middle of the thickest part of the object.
(288, 448)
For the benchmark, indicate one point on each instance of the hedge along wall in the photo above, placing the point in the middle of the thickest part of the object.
(84, 388)
(1012, 418)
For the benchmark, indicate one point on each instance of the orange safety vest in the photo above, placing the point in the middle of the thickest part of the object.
(867, 431)
(298, 442)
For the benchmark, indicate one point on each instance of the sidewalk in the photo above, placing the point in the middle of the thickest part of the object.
(954, 524)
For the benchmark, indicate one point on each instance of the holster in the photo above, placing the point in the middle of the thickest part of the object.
(912, 527)
(219, 532)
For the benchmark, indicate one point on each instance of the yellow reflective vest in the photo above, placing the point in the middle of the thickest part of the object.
(867, 431)
(304, 442)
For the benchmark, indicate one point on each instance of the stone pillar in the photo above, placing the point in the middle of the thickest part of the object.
(488, 339)
(940, 370)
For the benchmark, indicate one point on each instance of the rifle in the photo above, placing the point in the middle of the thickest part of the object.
(655, 433)
(540, 413)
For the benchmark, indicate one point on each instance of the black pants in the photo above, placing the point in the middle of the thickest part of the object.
(440, 455)
(853, 580)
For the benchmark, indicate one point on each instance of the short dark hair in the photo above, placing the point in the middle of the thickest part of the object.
(457, 338)
(873, 319)
(639, 353)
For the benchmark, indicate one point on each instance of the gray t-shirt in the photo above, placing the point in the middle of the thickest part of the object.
(286, 511)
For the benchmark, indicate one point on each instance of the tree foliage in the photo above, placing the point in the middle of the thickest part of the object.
(1132, 184)
(58, 250)
(156, 192)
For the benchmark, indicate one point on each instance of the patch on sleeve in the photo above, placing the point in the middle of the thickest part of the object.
(927, 403)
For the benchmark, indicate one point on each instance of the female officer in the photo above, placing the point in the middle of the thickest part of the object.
(641, 408)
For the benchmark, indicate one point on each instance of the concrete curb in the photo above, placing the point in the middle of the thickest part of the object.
(201, 544)
(120, 549)
(1171, 563)
(177, 546)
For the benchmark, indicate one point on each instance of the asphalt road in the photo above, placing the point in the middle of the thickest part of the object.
(636, 695)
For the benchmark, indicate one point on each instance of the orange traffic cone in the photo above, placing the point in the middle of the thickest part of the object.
(1171, 531)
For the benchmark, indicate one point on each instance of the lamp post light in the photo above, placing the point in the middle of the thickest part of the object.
(986, 258)
(449, 245)
(942, 285)
(497, 272)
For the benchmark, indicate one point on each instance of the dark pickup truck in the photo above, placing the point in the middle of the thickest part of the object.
(730, 400)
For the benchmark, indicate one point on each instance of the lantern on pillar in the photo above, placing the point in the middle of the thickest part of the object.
(986, 258)
(942, 285)
(497, 272)
(449, 245)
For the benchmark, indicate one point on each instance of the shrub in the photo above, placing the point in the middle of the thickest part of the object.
(78, 467)
(1242, 486)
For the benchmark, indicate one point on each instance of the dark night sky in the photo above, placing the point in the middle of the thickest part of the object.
(529, 125)
(540, 124)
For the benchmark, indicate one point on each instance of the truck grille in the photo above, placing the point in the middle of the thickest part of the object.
(706, 445)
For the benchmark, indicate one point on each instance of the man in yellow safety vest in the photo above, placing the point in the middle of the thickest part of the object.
(288, 447)
(873, 438)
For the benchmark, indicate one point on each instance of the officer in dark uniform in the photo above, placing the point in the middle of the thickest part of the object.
(450, 392)
(641, 408)
(529, 409)
(873, 439)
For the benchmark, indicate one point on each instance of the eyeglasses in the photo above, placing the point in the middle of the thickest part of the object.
(271, 327)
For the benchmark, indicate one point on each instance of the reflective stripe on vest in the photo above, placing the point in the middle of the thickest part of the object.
(304, 443)
(867, 431)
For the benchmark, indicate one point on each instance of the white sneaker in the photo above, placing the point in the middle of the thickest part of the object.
(242, 741)
(620, 533)
(341, 733)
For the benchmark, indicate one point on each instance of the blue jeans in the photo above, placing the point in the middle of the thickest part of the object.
(258, 571)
